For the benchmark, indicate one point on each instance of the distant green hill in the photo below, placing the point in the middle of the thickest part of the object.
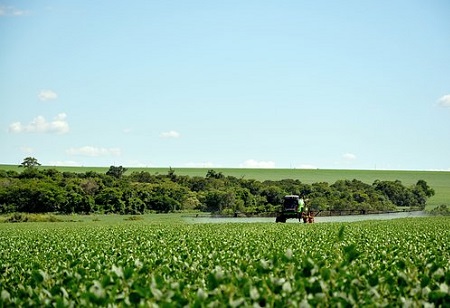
(438, 180)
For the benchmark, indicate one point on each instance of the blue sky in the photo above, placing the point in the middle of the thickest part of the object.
(258, 84)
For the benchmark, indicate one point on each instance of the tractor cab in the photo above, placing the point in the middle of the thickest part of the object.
(292, 207)
(291, 203)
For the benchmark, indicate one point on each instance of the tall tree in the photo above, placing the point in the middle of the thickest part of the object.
(214, 174)
(116, 172)
(30, 162)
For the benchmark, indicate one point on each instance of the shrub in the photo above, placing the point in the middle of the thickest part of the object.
(23, 217)
(134, 217)
(441, 210)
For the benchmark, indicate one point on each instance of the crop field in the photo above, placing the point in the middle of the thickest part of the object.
(162, 261)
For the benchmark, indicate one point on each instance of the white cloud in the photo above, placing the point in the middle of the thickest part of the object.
(39, 124)
(349, 156)
(47, 95)
(94, 151)
(444, 101)
(170, 134)
(12, 11)
(251, 163)
(444, 170)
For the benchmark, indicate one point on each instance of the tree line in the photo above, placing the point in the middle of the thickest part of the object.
(48, 190)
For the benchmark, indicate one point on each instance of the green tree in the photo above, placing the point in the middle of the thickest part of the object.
(110, 200)
(274, 194)
(397, 193)
(423, 186)
(212, 174)
(142, 177)
(171, 174)
(422, 192)
(29, 162)
(30, 171)
(218, 200)
(163, 204)
(36, 196)
(116, 172)
(198, 183)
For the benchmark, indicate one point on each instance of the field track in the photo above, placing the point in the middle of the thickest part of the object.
(438, 180)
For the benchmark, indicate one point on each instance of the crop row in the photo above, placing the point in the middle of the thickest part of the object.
(375, 263)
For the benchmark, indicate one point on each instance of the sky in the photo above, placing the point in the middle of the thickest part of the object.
(226, 84)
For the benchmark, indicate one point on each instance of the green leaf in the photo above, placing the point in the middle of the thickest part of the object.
(135, 297)
(37, 276)
(341, 234)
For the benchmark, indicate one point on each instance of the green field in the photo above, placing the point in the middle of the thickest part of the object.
(438, 180)
(160, 260)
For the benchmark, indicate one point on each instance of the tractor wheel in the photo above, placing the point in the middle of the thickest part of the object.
(280, 219)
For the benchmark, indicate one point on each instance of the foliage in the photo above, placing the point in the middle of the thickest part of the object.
(218, 200)
(116, 172)
(49, 190)
(214, 174)
(442, 210)
(438, 180)
(402, 196)
(30, 162)
(135, 263)
(24, 217)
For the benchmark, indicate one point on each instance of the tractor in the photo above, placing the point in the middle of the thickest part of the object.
(293, 207)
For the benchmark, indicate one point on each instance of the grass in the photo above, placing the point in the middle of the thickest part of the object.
(25, 217)
(438, 180)
(94, 219)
